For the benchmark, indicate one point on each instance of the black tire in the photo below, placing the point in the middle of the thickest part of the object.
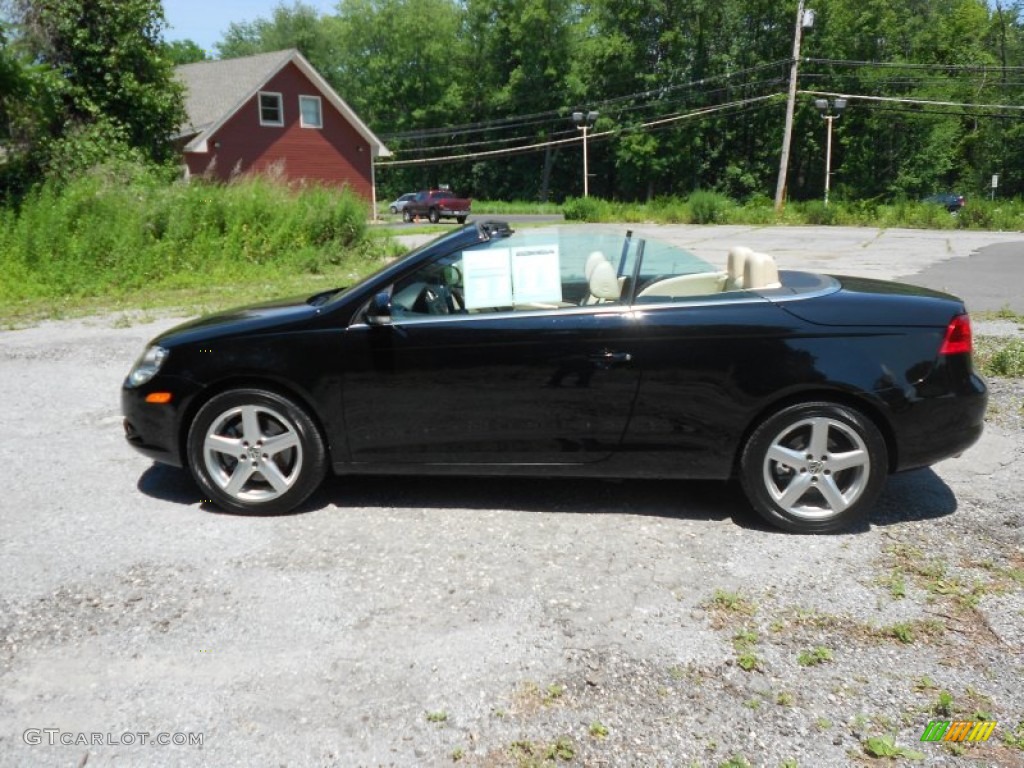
(255, 452)
(814, 467)
(393, 209)
(406, 216)
(434, 216)
(460, 219)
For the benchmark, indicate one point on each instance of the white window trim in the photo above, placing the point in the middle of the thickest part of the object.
(320, 111)
(280, 108)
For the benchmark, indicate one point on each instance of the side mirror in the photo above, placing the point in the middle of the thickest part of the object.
(379, 311)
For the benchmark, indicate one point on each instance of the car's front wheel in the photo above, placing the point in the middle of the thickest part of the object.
(255, 451)
(434, 216)
(814, 467)
(406, 215)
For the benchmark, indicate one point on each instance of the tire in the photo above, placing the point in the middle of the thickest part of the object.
(406, 216)
(393, 209)
(255, 452)
(814, 467)
(460, 219)
(434, 216)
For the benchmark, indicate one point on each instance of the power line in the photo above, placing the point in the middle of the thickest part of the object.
(597, 135)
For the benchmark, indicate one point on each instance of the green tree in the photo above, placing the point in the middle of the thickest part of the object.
(184, 52)
(108, 67)
(298, 26)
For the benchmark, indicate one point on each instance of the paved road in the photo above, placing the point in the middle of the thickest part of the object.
(988, 280)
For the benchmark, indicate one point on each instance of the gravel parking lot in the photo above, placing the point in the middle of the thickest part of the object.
(428, 622)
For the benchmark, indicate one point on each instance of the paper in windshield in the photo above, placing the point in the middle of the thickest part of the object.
(536, 274)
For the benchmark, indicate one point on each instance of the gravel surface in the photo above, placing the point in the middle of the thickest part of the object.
(429, 622)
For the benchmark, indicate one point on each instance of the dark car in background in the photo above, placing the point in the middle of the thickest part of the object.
(575, 352)
(951, 201)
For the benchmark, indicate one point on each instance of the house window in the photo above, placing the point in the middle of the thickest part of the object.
(309, 108)
(271, 109)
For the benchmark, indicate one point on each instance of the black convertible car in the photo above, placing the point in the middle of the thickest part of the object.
(572, 351)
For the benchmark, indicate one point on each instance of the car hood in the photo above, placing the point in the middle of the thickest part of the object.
(253, 318)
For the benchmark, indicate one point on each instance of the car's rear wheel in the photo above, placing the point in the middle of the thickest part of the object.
(814, 467)
(393, 209)
(460, 219)
(256, 452)
(434, 216)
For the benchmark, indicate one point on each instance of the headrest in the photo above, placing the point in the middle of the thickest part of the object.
(595, 258)
(737, 258)
(604, 284)
(760, 271)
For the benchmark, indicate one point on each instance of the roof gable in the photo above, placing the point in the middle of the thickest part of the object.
(216, 90)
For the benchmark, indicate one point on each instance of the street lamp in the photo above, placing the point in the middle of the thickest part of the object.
(829, 111)
(583, 122)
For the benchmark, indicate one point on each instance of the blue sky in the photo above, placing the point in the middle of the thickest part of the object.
(205, 21)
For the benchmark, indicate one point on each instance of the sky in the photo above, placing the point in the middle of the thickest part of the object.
(205, 21)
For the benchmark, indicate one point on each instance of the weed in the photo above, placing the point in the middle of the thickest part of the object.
(457, 754)
(555, 691)
(736, 761)
(784, 699)
(943, 705)
(885, 746)
(789, 762)
(814, 657)
(598, 730)
(901, 631)
(924, 683)
(752, 703)
(1002, 357)
(823, 723)
(529, 754)
(1015, 738)
(748, 661)
(437, 717)
(896, 583)
(732, 602)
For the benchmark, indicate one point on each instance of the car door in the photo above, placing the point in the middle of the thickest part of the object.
(531, 383)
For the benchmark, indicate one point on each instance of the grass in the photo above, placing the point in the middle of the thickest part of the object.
(705, 207)
(125, 237)
(1000, 356)
(886, 747)
(814, 657)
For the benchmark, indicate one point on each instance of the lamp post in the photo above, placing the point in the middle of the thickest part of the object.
(829, 111)
(584, 120)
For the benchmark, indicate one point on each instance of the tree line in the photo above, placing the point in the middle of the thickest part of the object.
(479, 94)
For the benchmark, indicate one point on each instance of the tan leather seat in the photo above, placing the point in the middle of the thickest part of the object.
(604, 283)
(734, 267)
(700, 284)
(760, 272)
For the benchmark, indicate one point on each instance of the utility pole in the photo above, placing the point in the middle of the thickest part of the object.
(787, 135)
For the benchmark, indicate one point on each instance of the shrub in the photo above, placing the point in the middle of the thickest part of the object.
(120, 228)
(708, 207)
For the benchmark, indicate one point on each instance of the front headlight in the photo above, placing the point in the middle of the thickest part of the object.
(147, 365)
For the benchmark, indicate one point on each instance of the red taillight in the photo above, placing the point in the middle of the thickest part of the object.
(958, 337)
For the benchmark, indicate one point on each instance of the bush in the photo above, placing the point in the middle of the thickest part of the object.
(582, 209)
(708, 207)
(117, 229)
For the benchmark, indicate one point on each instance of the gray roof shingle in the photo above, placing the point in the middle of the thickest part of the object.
(214, 88)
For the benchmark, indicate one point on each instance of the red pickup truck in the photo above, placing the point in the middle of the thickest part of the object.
(436, 204)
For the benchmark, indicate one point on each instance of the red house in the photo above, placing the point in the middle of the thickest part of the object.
(274, 114)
